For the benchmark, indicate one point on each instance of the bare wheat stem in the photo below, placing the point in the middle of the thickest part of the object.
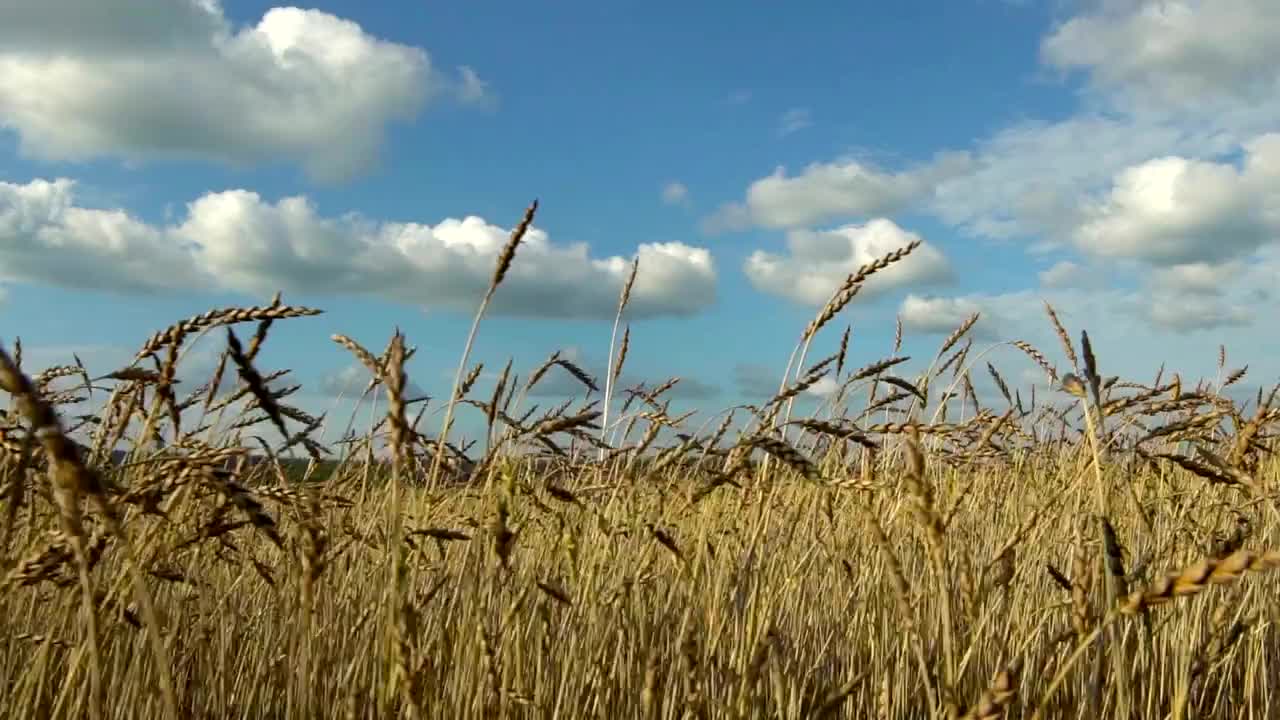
(610, 372)
(505, 259)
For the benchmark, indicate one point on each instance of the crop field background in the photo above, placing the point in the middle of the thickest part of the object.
(904, 552)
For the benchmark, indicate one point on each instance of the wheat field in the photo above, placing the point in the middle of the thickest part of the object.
(905, 551)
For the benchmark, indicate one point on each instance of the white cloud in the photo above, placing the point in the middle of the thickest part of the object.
(1166, 78)
(45, 238)
(675, 193)
(825, 387)
(1143, 171)
(1166, 178)
(1168, 174)
(824, 191)
(1200, 277)
(1029, 180)
(1064, 274)
(940, 316)
(82, 79)
(1187, 314)
(1173, 53)
(1173, 210)
(1172, 316)
(472, 90)
(794, 120)
(237, 241)
(819, 262)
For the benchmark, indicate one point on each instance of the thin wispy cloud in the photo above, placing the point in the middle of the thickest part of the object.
(794, 120)
(472, 90)
(675, 193)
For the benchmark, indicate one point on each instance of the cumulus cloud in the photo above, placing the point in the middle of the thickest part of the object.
(1174, 78)
(1171, 315)
(1188, 314)
(942, 315)
(825, 191)
(45, 238)
(1174, 210)
(1166, 78)
(1142, 171)
(1172, 53)
(1029, 180)
(137, 81)
(1200, 278)
(235, 240)
(819, 262)
(675, 193)
(1140, 318)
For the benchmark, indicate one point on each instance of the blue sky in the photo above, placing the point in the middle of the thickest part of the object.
(1116, 158)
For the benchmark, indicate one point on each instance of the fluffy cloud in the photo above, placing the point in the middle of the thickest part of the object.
(1172, 53)
(1172, 315)
(136, 81)
(825, 191)
(1029, 180)
(819, 261)
(1173, 210)
(1199, 278)
(1167, 78)
(235, 240)
(1177, 88)
(1188, 314)
(1168, 175)
(940, 316)
(1165, 179)
(45, 238)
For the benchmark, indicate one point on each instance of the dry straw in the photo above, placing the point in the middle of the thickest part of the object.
(211, 554)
